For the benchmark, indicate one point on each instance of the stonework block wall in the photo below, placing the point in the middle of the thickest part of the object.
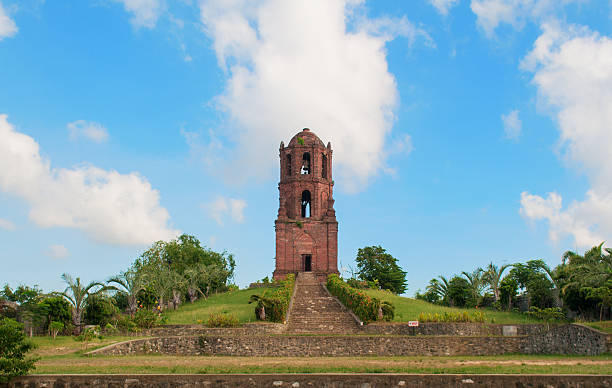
(450, 328)
(567, 339)
(310, 380)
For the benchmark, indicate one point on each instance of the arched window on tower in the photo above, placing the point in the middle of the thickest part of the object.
(323, 166)
(288, 165)
(305, 164)
(306, 204)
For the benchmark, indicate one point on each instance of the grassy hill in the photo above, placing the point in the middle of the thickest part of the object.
(233, 302)
(408, 309)
(236, 303)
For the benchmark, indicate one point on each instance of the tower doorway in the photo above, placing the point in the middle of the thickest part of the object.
(307, 263)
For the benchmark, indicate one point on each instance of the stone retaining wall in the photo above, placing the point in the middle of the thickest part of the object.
(451, 328)
(568, 339)
(304, 346)
(574, 339)
(311, 380)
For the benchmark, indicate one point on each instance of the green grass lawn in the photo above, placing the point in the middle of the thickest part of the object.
(605, 326)
(408, 309)
(233, 302)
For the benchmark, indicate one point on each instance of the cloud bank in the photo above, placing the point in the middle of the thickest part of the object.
(145, 13)
(8, 27)
(111, 208)
(572, 69)
(443, 6)
(512, 125)
(223, 207)
(492, 13)
(90, 130)
(295, 64)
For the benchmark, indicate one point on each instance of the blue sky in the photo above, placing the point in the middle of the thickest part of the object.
(464, 131)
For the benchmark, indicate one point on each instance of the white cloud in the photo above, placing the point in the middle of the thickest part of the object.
(512, 124)
(145, 13)
(8, 27)
(572, 69)
(295, 64)
(443, 6)
(58, 252)
(109, 207)
(6, 224)
(87, 129)
(223, 207)
(492, 13)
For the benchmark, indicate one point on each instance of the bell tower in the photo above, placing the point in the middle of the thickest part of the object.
(306, 226)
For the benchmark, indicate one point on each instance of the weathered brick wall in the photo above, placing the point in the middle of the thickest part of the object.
(316, 235)
(567, 339)
(311, 380)
(450, 328)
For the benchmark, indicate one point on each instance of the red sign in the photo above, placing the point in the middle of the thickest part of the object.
(413, 323)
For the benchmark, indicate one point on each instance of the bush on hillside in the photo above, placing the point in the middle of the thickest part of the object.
(272, 305)
(222, 320)
(368, 309)
(458, 316)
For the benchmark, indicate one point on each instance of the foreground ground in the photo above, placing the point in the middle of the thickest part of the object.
(65, 356)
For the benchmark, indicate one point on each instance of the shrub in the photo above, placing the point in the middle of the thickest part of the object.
(146, 318)
(364, 306)
(222, 320)
(55, 327)
(100, 310)
(126, 323)
(13, 349)
(459, 316)
(273, 305)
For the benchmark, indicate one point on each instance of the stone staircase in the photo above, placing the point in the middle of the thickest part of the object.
(315, 311)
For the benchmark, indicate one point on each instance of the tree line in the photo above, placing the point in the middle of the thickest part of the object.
(164, 276)
(581, 285)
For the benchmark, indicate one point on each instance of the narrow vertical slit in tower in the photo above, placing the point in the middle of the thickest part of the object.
(288, 165)
(305, 204)
(305, 164)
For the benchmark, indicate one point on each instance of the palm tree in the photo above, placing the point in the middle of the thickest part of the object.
(76, 293)
(592, 273)
(132, 284)
(477, 282)
(439, 288)
(493, 275)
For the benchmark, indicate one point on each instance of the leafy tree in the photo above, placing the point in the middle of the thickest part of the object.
(492, 277)
(76, 293)
(508, 288)
(531, 277)
(55, 327)
(374, 263)
(30, 310)
(13, 350)
(460, 293)
(58, 310)
(99, 309)
(131, 283)
(187, 252)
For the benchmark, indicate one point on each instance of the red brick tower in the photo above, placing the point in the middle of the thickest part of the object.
(306, 227)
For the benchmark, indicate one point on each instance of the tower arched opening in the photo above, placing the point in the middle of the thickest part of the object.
(305, 163)
(306, 204)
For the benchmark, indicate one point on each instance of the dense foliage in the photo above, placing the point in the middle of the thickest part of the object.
(222, 320)
(273, 304)
(581, 286)
(368, 309)
(13, 350)
(374, 264)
